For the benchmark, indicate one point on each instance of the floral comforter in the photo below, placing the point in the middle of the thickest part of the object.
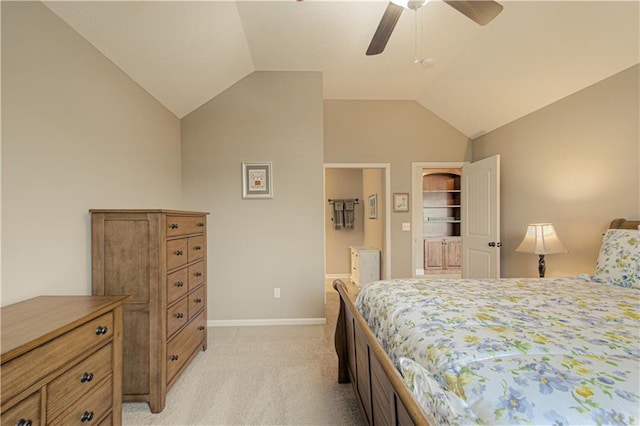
(512, 351)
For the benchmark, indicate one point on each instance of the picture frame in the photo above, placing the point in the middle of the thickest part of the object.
(373, 206)
(400, 202)
(257, 180)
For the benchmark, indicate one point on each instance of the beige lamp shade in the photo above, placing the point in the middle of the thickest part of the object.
(541, 238)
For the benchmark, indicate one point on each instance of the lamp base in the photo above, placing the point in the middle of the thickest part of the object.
(542, 267)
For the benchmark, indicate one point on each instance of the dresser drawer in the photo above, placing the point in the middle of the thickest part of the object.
(177, 316)
(78, 381)
(27, 410)
(24, 371)
(177, 253)
(184, 225)
(90, 409)
(183, 345)
(196, 302)
(196, 248)
(177, 284)
(196, 275)
(108, 421)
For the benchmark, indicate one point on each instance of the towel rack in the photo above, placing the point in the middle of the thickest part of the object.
(355, 200)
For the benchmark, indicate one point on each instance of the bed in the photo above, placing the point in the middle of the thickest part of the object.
(507, 351)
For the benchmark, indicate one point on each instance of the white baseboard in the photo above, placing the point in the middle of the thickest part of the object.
(262, 322)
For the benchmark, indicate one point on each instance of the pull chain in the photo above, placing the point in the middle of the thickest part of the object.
(415, 35)
(418, 38)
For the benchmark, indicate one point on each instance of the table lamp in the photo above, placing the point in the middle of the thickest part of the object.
(541, 239)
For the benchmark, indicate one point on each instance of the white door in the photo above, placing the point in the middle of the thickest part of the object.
(481, 218)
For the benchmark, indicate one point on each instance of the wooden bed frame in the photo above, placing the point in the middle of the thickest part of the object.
(383, 397)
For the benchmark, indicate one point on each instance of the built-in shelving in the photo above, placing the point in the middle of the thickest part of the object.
(441, 207)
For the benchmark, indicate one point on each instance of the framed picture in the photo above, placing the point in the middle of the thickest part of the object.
(400, 201)
(373, 206)
(257, 181)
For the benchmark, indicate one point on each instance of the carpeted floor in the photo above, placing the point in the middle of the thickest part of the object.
(271, 375)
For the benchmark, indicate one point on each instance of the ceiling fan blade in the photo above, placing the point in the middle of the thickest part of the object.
(385, 28)
(480, 11)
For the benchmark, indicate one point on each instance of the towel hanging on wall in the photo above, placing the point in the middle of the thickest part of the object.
(338, 216)
(349, 214)
(344, 213)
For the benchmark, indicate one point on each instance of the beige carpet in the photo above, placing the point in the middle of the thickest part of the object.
(272, 375)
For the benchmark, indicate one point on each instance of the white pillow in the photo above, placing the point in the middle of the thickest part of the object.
(619, 259)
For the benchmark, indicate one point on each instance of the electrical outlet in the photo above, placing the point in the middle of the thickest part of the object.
(276, 293)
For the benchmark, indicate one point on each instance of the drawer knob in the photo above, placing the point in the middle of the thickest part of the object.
(200, 224)
(87, 416)
(201, 327)
(174, 226)
(101, 330)
(174, 357)
(86, 377)
(198, 274)
(24, 422)
(197, 300)
(179, 315)
(178, 252)
(196, 248)
(179, 284)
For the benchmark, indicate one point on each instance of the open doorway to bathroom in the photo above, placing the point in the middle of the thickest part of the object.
(369, 184)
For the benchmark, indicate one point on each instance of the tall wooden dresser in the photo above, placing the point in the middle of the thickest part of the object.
(159, 257)
(61, 361)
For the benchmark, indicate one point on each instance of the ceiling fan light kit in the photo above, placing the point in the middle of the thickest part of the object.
(480, 11)
(410, 4)
(424, 62)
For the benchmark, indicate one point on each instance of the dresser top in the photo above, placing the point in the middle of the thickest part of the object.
(28, 324)
(165, 211)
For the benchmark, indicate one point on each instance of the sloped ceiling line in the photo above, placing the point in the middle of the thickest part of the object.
(534, 53)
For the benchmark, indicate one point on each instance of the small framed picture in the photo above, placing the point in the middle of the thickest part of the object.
(373, 206)
(257, 181)
(400, 201)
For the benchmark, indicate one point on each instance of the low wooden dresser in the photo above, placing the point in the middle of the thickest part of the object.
(62, 361)
(159, 257)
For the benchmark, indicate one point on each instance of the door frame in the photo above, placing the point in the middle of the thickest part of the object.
(417, 248)
(386, 167)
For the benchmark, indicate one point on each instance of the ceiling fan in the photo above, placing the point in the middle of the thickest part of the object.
(480, 11)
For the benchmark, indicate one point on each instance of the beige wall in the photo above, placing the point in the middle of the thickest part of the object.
(77, 134)
(395, 132)
(374, 229)
(257, 245)
(574, 163)
(341, 184)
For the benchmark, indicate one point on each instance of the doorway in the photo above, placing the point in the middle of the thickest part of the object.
(439, 240)
(479, 209)
(376, 231)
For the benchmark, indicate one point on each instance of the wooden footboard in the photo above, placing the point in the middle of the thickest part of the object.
(383, 397)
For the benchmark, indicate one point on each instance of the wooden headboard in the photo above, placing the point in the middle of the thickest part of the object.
(621, 223)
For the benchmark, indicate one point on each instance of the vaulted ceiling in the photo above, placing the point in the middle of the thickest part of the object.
(184, 53)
